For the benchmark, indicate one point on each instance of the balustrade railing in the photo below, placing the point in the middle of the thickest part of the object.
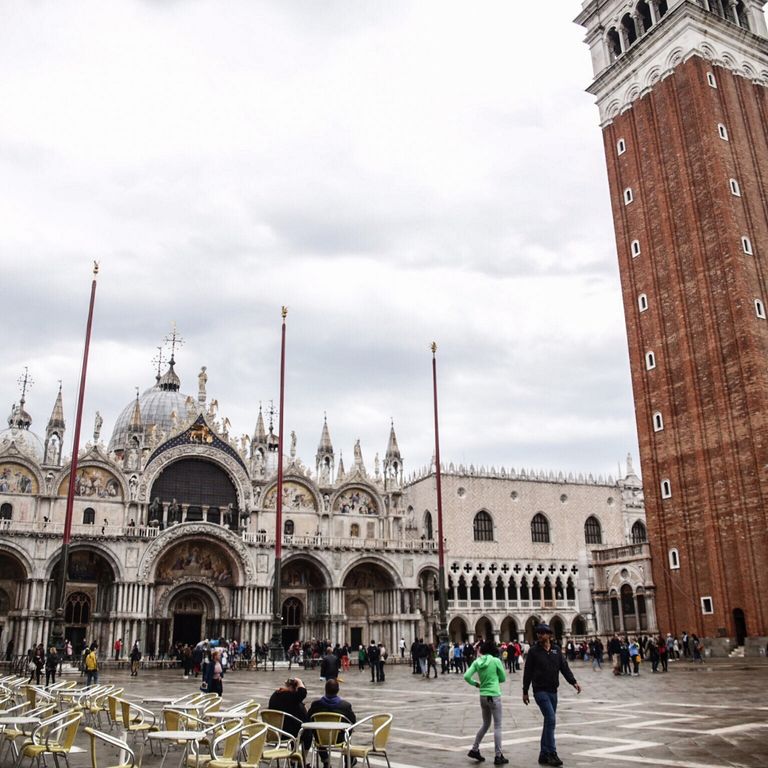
(257, 539)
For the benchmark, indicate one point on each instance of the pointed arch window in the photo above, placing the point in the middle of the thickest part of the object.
(540, 529)
(77, 609)
(658, 421)
(474, 589)
(428, 525)
(593, 532)
(639, 533)
(292, 612)
(483, 526)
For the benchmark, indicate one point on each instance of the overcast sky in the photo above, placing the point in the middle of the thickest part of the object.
(394, 172)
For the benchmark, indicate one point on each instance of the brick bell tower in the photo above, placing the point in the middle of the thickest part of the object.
(682, 89)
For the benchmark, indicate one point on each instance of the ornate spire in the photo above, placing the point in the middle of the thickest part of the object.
(393, 462)
(259, 434)
(136, 425)
(325, 445)
(324, 458)
(341, 474)
(54, 434)
(393, 451)
(57, 414)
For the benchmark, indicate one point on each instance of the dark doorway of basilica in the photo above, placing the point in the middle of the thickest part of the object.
(187, 628)
(356, 635)
(740, 623)
(192, 616)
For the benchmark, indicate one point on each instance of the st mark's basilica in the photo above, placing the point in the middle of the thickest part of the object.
(174, 530)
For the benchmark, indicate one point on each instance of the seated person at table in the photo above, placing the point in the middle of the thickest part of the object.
(289, 698)
(331, 702)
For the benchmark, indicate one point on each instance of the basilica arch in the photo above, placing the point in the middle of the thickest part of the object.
(306, 594)
(219, 464)
(195, 580)
(92, 573)
(371, 601)
(14, 573)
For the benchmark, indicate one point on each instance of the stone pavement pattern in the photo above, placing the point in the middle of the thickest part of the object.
(692, 717)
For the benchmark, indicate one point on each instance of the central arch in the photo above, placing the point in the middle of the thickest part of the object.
(370, 602)
(199, 487)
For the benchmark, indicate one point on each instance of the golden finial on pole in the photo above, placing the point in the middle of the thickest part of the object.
(434, 347)
(95, 268)
(284, 311)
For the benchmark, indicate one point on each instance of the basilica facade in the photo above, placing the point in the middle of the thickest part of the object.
(174, 530)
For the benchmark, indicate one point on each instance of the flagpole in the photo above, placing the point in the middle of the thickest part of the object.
(57, 630)
(442, 631)
(276, 643)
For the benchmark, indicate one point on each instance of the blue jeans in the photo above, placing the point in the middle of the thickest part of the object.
(548, 705)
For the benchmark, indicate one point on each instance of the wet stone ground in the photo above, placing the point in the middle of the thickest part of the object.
(705, 716)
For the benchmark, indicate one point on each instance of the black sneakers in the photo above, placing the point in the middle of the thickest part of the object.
(475, 755)
(500, 760)
(550, 759)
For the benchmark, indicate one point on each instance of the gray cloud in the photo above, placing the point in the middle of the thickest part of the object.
(395, 173)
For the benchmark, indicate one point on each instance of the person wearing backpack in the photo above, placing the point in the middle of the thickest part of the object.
(91, 666)
(135, 659)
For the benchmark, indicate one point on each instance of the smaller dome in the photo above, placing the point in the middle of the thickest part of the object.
(27, 442)
(19, 418)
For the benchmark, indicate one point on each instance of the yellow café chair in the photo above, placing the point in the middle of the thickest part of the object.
(125, 750)
(381, 724)
(248, 741)
(52, 738)
(331, 740)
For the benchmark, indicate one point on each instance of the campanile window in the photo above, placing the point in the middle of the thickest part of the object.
(628, 196)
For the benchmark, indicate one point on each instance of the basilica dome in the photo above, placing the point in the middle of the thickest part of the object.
(156, 407)
(19, 433)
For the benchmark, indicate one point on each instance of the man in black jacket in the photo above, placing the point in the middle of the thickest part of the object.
(331, 702)
(329, 665)
(373, 659)
(543, 666)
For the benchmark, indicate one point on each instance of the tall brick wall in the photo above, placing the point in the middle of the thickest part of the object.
(711, 377)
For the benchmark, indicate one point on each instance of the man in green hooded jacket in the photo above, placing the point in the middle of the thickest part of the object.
(490, 671)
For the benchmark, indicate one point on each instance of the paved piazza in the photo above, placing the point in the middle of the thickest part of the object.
(713, 715)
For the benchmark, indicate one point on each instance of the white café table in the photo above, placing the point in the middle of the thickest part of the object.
(19, 721)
